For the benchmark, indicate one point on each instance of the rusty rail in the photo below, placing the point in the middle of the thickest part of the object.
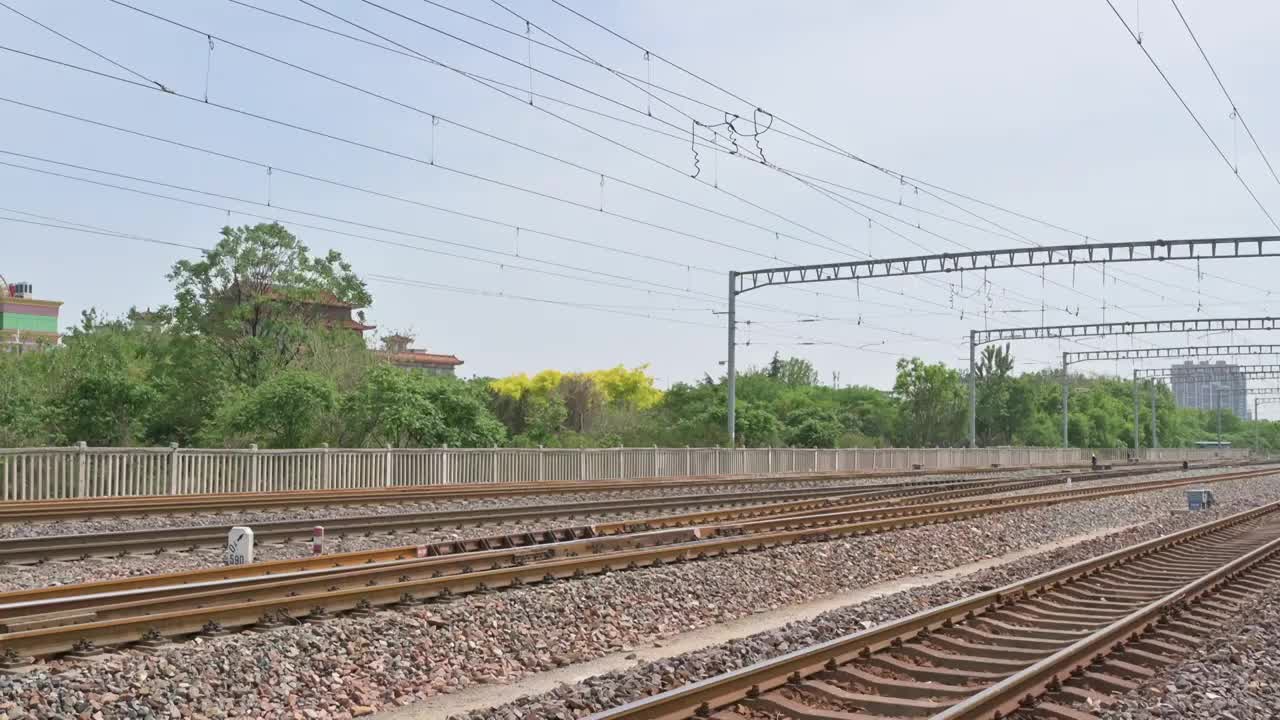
(51, 628)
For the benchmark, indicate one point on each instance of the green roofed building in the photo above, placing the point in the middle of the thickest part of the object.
(25, 322)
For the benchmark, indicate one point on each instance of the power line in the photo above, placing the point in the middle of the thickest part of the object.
(1235, 109)
(432, 163)
(1203, 130)
(337, 183)
(159, 85)
(666, 165)
(582, 56)
(821, 143)
(662, 288)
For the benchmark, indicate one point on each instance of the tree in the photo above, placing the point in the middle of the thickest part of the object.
(932, 398)
(813, 427)
(286, 411)
(995, 363)
(996, 418)
(795, 372)
(388, 407)
(256, 293)
(102, 390)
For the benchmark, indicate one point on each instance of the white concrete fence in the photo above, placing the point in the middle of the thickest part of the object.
(80, 471)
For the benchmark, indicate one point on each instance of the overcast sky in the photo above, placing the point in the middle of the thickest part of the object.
(1048, 109)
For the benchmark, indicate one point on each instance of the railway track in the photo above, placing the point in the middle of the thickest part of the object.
(147, 505)
(56, 620)
(34, 549)
(1053, 646)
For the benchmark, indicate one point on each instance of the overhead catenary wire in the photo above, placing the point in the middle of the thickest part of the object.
(1235, 109)
(509, 261)
(62, 224)
(821, 143)
(578, 55)
(1196, 118)
(405, 156)
(593, 61)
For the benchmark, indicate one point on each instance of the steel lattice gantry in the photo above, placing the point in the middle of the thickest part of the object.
(1140, 327)
(984, 260)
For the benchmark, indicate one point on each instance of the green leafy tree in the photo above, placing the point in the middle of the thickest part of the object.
(256, 294)
(391, 407)
(932, 397)
(288, 410)
(813, 427)
(101, 385)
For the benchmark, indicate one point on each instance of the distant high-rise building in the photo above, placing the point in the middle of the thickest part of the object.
(1208, 386)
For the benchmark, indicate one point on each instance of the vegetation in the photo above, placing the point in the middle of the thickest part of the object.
(242, 356)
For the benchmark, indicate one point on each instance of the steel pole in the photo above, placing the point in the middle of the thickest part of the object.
(1257, 427)
(1155, 439)
(1137, 421)
(731, 379)
(973, 394)
(1064, 401)
(1217, 409)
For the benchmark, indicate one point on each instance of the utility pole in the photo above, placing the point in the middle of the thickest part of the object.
(731, 379)
(1257, 426)
(1137, 422)
(1155, 439)
(1216, 402)
(1064, 401)
(973, 394)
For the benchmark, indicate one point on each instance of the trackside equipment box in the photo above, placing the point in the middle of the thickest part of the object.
(1199, 499)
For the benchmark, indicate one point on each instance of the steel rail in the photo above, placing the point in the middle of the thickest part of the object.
(1013, 693)
(702, 698)
(508, 542)
(468, 547)
(361, 589)
(76, 546)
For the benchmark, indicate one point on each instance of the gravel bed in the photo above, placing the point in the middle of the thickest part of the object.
(22, 577)
(249, 516)
(1083, 480)
(354, 666)
(1235, 675)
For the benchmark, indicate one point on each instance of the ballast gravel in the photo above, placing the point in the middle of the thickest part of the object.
(618, 493)
(1235, 675)
(22, 577)
(353, 666)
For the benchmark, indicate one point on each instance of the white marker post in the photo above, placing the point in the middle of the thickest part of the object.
(239, 549)
(317, 540)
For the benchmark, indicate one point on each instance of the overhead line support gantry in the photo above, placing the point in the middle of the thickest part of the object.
(1020, 257)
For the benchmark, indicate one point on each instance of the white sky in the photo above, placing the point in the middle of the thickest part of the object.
(1046, 108)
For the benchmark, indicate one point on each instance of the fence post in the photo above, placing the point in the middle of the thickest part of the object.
(253, 467)
(622, 463)
(173, 468)
(495, 464)
(386, 474)
(582, 463)
(771, 459)
(542, 470)
(444, 461)
(815, 459)
(717, 458)
(326, 469)
(688, 461)
(82, 481)
(655, 461)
